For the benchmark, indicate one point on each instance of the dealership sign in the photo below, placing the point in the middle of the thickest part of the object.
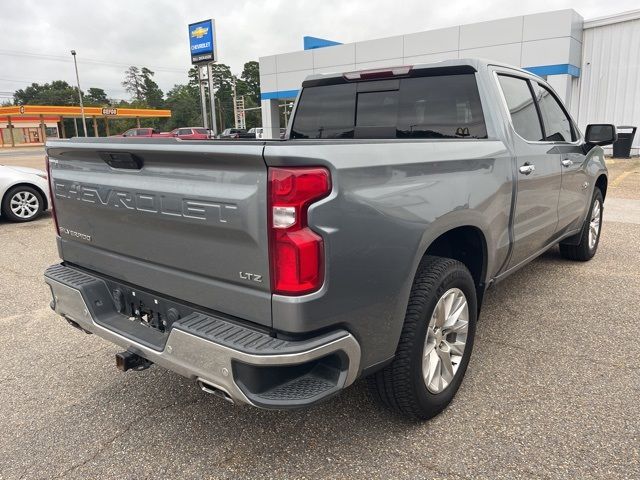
(202, 41)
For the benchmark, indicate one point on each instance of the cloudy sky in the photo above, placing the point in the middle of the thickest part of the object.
(36, 36)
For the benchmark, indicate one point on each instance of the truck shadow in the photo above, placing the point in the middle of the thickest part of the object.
(207, 437)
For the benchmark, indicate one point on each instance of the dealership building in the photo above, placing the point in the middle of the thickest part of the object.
(593, 64)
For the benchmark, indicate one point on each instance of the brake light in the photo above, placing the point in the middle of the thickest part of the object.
(51, 194)
(296, 251)
(387, 72)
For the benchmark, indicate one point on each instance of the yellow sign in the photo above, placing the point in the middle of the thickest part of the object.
(199, 32)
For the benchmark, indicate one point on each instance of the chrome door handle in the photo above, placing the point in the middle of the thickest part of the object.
(527, 168)
(566, 162)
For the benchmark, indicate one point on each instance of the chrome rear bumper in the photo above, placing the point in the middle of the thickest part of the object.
(241, 368)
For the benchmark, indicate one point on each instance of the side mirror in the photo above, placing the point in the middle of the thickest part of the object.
(601, 134)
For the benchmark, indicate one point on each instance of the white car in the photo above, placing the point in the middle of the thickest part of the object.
(24, 193)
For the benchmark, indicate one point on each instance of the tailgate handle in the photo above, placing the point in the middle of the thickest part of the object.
(124, 160)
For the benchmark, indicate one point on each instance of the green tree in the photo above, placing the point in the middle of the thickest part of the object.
(133, 83)
(153, 96)
(248, 86)
(143, 89)
(184, 102)
(57, 92)
(96, 97)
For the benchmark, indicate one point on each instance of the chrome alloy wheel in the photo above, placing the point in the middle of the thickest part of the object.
(24, 204)
(594, 223)
(446, 340)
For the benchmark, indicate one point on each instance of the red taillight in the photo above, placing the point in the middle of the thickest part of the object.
(296, 251)
(51, 194)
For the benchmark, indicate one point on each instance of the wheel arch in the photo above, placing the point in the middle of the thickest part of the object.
(468, 245)
(463, 239)
(45, 202)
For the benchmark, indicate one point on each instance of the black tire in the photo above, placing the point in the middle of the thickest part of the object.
(6, 208)
(583, 251)
(400, 386)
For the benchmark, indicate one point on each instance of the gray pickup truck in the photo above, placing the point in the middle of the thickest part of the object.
(276, 273)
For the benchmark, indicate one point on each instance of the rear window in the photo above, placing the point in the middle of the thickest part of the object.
(445, 106)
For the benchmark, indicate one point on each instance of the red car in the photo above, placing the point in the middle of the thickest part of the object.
(190, 133)
(142, 132)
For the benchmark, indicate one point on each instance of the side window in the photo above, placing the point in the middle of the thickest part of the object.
(522, 108)
(444, 106)
(184, 131)
(130, 133)
(557, 125)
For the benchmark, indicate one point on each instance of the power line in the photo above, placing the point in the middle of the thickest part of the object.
(63, 58)
(29, 82)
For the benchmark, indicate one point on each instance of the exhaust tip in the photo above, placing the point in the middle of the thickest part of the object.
(218, 392)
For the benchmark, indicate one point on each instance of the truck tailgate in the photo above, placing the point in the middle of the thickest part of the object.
(187, 220)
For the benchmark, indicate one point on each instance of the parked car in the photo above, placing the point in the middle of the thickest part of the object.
(190, 133)
(24, 193)
(235, 133)
(361, 246)
(142, 132)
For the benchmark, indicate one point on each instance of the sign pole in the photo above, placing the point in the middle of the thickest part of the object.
(203, 100)
(212, 99)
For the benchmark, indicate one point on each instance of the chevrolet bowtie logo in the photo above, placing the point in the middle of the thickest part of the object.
(199, 32)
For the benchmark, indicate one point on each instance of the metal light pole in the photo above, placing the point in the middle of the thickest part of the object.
(84, 122)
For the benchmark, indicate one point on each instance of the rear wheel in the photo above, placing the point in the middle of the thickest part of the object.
(590, 235)
(22, 204)
(435, 343)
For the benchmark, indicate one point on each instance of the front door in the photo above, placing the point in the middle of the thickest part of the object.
(560, 129)
(538, 174)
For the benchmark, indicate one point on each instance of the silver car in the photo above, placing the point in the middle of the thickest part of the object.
(24, 193)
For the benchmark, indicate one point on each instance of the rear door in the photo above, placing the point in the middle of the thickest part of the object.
(187, 221)
(537, 169)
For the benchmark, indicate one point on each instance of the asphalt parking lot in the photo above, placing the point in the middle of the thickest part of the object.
(552, 390)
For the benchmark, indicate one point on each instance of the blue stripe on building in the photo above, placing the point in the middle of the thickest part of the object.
(279, 94)
(314, 42)
(562, 69)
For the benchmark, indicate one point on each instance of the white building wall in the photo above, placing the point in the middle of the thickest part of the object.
(545, 39)
(609, 86)
(550, 41)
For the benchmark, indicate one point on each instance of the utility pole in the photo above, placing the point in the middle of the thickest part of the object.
(84, 122)
(203, 99)
(220, 116)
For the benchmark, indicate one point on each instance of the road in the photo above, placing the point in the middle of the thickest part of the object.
(551, 392)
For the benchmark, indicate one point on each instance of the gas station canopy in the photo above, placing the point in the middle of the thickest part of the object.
(30, 123)
(72, 111)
